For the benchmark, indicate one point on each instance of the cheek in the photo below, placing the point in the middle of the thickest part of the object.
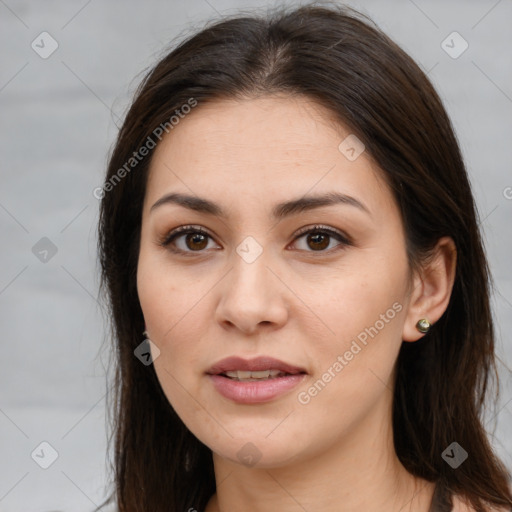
(173, 321)
(166, 294)
(352, 374)
(350, 301)
(363, 307)
(174, 308)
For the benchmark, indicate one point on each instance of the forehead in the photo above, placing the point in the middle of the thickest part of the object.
(277, 124)
(264, 147)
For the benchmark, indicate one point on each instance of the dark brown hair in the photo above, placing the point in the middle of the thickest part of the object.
(336, 57)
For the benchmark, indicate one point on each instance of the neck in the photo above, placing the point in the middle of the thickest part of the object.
(361, 472)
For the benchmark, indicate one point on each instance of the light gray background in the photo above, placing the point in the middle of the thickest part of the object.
(57, 122)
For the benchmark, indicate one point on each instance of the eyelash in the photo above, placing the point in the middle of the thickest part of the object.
(184, 230)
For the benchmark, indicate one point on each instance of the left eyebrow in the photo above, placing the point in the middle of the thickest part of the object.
(280, 211)
(305, 203)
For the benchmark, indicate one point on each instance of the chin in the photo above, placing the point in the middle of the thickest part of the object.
(257, 451)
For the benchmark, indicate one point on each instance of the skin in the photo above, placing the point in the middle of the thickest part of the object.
(294, 303)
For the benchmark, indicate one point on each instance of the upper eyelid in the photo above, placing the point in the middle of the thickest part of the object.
(319, 227)
(184, 230)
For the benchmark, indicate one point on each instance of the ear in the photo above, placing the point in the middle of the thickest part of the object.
(431, 288)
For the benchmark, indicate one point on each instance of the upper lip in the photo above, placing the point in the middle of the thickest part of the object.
(257, 364)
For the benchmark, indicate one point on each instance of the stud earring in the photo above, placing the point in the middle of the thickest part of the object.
(423, 325)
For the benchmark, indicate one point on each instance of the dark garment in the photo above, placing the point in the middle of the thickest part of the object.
(441, 500)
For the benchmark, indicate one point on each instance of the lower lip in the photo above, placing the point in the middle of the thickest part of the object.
(254, 392)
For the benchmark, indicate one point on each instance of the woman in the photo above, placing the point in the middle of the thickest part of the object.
(287, 219)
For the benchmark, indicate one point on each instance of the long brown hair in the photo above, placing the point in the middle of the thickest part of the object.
(338, 58)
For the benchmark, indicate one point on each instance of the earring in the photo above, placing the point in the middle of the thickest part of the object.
(145, 333)
(423, 325)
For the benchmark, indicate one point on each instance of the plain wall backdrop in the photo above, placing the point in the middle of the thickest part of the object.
(59, 106)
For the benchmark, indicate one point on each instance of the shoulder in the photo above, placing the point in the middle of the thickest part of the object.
(459, 505)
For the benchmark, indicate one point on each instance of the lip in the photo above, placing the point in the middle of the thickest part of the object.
(253, 365)
(253, 392)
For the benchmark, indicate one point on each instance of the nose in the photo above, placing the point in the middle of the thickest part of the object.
(252, 298)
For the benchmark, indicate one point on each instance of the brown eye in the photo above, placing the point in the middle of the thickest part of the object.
(319, 238)
(187, 240)
(196, 241)
(317, 241)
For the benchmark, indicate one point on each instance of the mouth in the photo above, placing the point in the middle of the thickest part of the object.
(257, 368)
(256, 380)
(247, 376)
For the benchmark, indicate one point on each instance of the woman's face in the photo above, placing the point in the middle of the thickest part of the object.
(294, 250)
